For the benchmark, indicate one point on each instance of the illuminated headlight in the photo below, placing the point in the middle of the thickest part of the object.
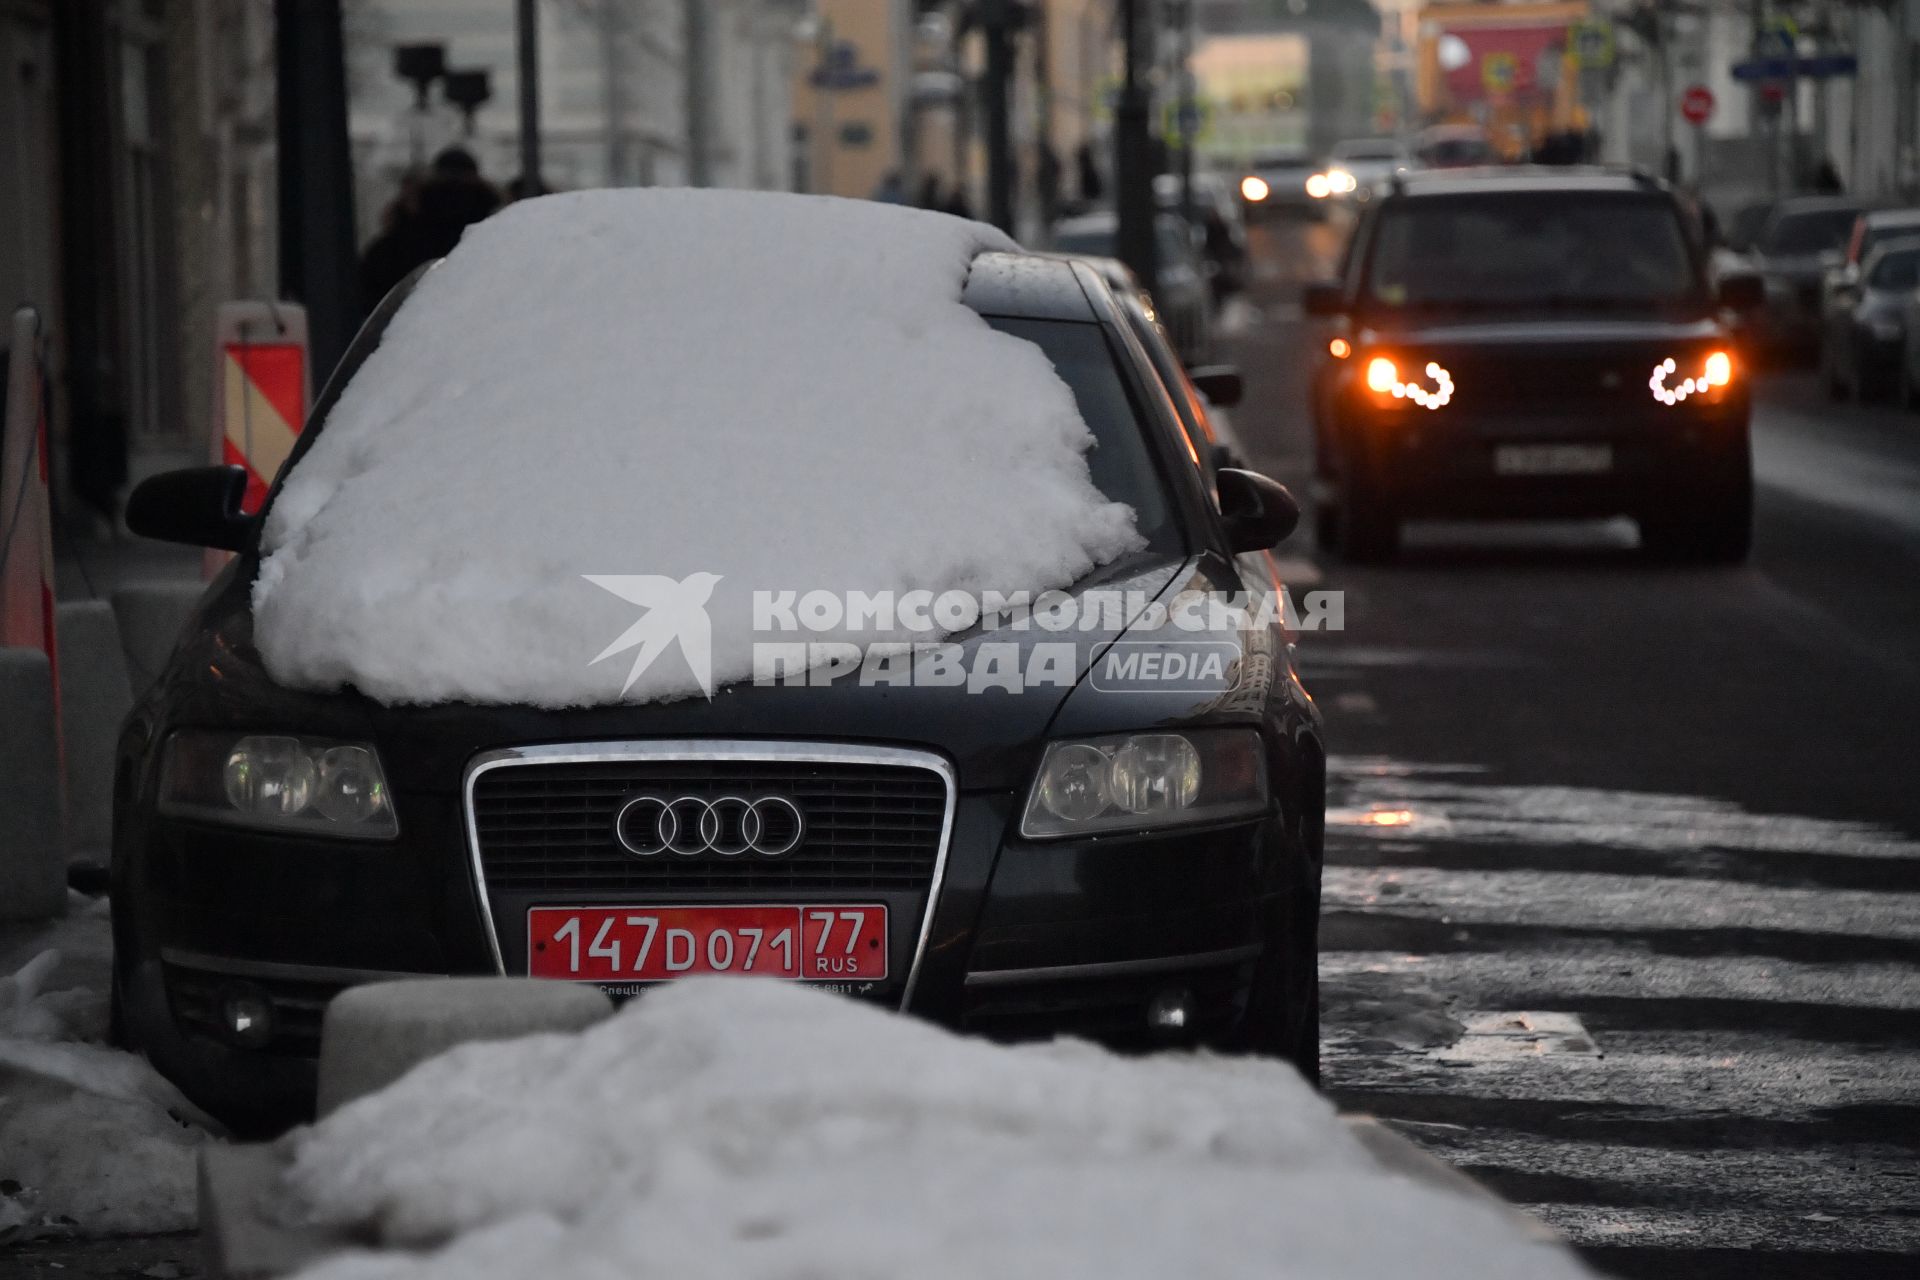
(1715, 376)
(1340, 182)
(1141, 781)
(1254, 188)
(278, 782)
(1319, 187)
(1383, 379)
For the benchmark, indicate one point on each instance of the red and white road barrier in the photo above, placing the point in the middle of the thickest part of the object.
(263, 387)
(26, 528)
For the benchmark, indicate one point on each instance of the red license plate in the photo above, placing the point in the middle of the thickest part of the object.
(655, 944)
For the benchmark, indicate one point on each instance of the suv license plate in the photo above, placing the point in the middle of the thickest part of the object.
(1552, 459)
(811, 943)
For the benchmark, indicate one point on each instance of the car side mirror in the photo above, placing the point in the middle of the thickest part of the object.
(199, 506)
(1742, 292)
(1221, 384)
(1323, 298)
(1258, 510)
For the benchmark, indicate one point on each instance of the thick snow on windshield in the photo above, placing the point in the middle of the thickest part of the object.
(740, 1128)
(736, 390)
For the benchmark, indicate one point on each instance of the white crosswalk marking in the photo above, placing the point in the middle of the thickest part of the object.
(1753, 1013)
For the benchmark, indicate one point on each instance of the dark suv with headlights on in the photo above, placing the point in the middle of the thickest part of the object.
(1130, 860)
(1531, 342)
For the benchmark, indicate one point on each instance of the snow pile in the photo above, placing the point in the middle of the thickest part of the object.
(784, 391)
(92, 1140)
(745, 1129)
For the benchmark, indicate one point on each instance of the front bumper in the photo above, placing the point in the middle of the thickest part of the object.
(1446, 464)
(1023, 939)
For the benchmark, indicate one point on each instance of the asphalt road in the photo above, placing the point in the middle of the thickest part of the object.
(1623, 897)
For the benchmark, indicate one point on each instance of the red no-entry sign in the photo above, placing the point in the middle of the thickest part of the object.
(1696, 104)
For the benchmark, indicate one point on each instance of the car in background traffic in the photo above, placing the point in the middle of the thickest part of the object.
(1201, 395)
(1183, 296)
(1803, 238)
(1864, 337)
(1742, 231)
(1220, 218)
(1454, 146)
(1531, 342)
(1276, 182)
(1357, 166)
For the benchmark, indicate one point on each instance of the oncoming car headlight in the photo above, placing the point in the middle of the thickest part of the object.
(1383, 379)
(1140, 781)
(1715, 376)
(278, 782)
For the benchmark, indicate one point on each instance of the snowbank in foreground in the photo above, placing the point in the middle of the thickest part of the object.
(92, 1140)
(740, 1129)
(781, 390)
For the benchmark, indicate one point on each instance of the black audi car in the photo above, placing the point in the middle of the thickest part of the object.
(1130, 860)
(1531, 343)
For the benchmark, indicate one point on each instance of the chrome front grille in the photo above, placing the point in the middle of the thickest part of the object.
(543, 827)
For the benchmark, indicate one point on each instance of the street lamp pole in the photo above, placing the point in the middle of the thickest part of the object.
(1133, 154)
(527, 39)
(317, 258)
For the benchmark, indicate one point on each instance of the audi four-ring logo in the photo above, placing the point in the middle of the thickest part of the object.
(771, 826)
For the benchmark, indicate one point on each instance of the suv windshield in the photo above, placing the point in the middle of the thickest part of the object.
(1551, 249)
(1815, 231)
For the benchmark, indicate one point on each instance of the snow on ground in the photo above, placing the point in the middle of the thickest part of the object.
(781, 390)
(92, 1140)
(749, 1130)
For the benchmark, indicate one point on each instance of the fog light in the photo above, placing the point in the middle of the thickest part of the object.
(246, 1015)
(1168, 1010)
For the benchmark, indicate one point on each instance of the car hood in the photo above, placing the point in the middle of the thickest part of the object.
(1556, 329)
(993, 735)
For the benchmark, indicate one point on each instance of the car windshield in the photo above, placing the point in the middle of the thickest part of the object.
(1532, 249)
(1814, 231)
(1453, 153)
(1871, 235)
(1120, 461)
(1367, 151)
(1282, 160)
(1174, 241)
(1897, 271)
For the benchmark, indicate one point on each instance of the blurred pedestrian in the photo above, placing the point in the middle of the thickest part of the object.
(891, 188)
(930, 197)
(425, 222)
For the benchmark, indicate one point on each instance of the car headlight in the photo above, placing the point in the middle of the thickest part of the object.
(1132, 782)
(1340, 182)
(278, 782)
(1715, 376)
(1384, 380)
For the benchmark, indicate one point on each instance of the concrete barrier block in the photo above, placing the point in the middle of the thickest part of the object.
(94, 698)
(33, 848)
(151, 617)
(374, 1034)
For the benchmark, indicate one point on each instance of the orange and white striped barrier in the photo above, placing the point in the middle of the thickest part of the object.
(263, 388)
(26, 528)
